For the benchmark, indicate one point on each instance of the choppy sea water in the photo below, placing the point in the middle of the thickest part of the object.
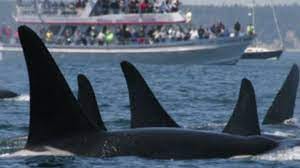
(197, 97)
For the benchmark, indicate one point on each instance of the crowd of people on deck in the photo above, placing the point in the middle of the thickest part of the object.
(103, 7)
(136, 6)
(125, 35)
(53, 6)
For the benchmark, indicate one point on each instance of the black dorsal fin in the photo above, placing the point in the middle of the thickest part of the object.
(146, 110)
(54, 111)
(88, 102)
(244, 120)
(283, 105)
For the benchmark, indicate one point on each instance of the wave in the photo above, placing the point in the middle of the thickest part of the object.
(281, 155)
(49, 151)
(281, 134)
(24, 97)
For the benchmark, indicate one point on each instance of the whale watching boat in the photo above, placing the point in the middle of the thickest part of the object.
(140, 31)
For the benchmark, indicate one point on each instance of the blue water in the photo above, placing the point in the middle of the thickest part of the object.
(198, 97)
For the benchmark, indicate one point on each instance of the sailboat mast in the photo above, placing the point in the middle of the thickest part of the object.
(277, 25)
(254, 21)
(253, 13)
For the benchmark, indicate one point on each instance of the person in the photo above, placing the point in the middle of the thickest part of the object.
(115, 6)
(133, 6)
(237, 28)
(83, 39)
(163, 6)
(175, 5)
(119, 35)
(206, 34)
(213, 29)
(163, 34)
(123, 4)
(68, 36)
(188, 16)
(141, 36)
(109, 37)
(168, 6)
(105, 6)
(156, 6)
(220, 28)
(156, 35)
(201, 32)
(250, 29)
(150, 34)
(91, 35)
(194, 34)
(78, 4)
(49, 36)
(179, 35)
(144, 5)
(77, 35)
(101, 36)
(127, 35)
(8, 33)
(2, 32)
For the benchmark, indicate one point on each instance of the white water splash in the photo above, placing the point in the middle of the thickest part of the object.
(49, 151)
(281, 155)
(292, 121)
(24, 97)
(281, 134)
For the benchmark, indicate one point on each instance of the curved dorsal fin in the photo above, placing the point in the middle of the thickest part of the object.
(54, 111)
(88, 102)
(283, 105)
(146, 110)
(244, 120)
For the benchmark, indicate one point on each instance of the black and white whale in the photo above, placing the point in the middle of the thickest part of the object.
(146, 111)
(283, 105)
(58, 121)
(6, 94)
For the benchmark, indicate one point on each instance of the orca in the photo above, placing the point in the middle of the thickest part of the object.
(244, 120)
(57, 121)
(283, 105)
(144, 105)
(88, 102)
(6, 94)
(146, 111)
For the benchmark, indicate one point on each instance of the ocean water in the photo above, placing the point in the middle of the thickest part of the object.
(197, 97)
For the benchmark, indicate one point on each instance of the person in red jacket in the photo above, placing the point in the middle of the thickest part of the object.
(144, 6)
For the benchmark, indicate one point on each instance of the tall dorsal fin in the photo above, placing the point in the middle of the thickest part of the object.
(88, 102)
(244, 120)
(283, 105)
(54, 111)
(146, 110)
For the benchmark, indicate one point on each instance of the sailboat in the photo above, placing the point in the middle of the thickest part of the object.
(256, 52)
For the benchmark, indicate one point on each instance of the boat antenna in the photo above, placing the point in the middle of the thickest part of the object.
(277, 25)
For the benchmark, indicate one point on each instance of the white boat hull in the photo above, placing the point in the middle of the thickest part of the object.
(193, 53)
